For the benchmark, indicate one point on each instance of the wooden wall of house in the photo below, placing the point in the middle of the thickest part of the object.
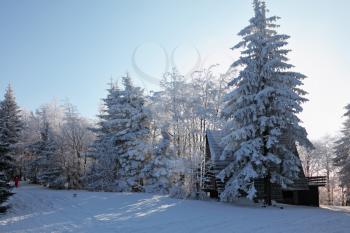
(276, 190)
(309, 197)
(302, 197)
(214, 186)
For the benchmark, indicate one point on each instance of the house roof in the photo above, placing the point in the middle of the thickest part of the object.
(214, 141)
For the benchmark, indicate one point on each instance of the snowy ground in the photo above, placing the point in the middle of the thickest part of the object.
(35, 209)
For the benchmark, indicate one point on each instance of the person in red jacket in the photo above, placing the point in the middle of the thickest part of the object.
(16, 181)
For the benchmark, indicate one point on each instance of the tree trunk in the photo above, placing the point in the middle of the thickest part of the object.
(267, 190)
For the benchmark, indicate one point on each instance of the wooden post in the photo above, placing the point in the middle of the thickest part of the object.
(328, 186)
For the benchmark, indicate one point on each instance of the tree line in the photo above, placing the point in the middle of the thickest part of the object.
(151, 143)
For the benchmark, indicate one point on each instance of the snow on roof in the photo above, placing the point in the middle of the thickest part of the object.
(214, 141)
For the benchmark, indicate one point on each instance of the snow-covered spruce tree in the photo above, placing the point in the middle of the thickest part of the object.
(47, 165)
(261, 109)
(342, 151)
(10, 127)
(132, 144)
(157, 171)
(43, 152)
(103, 172)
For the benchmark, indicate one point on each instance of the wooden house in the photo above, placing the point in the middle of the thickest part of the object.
(304, 190)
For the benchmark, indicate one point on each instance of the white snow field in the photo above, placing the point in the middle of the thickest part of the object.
(36, 209)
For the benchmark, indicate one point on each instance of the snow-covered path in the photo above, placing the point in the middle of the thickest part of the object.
(36, 209)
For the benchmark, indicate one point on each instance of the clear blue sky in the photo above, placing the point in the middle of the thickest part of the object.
(71, 48)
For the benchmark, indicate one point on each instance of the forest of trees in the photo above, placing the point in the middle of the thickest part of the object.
(156, 142)
(147, 143)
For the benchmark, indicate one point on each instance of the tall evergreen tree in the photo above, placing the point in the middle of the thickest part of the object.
(342, 150)
(103, 173)
(47, 162)
(45, 156)
(261, 110)
(10, 127)
(121, 148)
(132, 141)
